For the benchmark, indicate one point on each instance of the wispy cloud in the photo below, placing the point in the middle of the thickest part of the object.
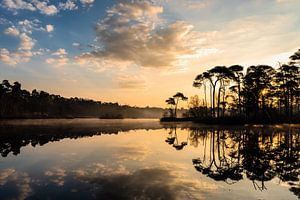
(44, 7)
(13, 31)
(68, 5)
(60, 58)
(131, 82)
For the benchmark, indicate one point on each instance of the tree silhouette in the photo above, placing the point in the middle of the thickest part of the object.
(200, 81)
(177, 97)
(258, 95)
(16, 102)
(295, 58)
(288, 81)
(171, 101)
(257, 82)
(221, 74)
(237, 71)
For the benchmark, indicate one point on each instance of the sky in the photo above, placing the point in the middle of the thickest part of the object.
(139, 52)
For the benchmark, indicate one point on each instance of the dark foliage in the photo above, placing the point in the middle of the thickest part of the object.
(262, 94)
(16, 102)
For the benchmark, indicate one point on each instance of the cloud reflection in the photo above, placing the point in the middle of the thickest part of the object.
(57, 175)
(161, 182)
(20, 179)
(132, 152)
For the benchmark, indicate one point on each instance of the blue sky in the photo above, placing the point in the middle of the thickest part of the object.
(138, 52)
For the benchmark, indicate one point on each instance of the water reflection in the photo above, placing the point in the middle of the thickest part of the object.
(259, 154)
(173, 140)
(148, 160)
(16, 134)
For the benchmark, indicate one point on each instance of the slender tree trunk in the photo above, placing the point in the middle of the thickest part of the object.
(224, 105)
(291, 104)
(213, 100)
(286, 105)
(298, 105)
(205, 100)
(219, 98)
(176, 108)
(239, 91)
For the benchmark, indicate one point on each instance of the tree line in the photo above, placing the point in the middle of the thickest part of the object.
(16, 102)
(260, 92)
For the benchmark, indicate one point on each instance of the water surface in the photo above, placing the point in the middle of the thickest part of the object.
(144, 159)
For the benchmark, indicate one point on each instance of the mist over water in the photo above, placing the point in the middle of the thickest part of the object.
(145, 159)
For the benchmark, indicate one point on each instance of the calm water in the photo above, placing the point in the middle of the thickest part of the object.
(143, 159)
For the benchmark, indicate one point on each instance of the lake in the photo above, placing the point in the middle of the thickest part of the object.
(146, 159)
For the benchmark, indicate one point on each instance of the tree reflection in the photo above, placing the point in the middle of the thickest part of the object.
(257, 153)
(216, 162)
(173, 140)
(13, 138)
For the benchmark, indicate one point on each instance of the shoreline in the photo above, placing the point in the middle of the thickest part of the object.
(234, 121)
(230, 121)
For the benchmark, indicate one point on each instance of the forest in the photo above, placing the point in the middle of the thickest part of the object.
(16, 102)
(260, 93)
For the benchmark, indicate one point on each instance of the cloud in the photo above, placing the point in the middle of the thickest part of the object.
(75, 44)
(86, 2)
(49, 28)
(26, 42)
(284, 1)
(22, 54)
(7, 57)
(34, 5)
(60, 52)
(234, 40)
(44, 8)
(131, 82)
(68, 5)
(27, 26)
(197, 4)
(60, 58)
(4, 21)
(18, 4)
(147, 41)
(13, 31)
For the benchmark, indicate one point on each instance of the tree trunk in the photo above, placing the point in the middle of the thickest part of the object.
(224, 105)
(205, 100)
(239, 91)
(219, 97)
(176, 108)
(213, 98)
(291, 105)
(210, 93)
